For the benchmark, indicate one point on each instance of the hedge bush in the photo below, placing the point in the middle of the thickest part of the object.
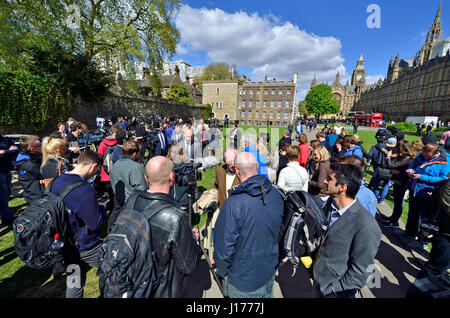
(29, 100)
(403, 126)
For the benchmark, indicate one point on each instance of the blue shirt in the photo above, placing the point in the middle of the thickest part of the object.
(262, 162)
(367, 198)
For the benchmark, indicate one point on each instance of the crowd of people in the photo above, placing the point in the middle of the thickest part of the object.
(141, 157)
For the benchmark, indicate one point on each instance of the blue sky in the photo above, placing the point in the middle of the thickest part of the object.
(307, 37)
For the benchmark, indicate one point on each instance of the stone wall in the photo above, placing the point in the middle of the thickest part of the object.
(113, 105)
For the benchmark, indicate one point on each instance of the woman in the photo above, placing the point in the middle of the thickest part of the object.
(294, 177)
(290, 128)
(53, 162)
(304, 150)
(317, 186)
(332, 137)
(343, 134)
(263, 147)
(338, 150)
(405, 155)
(417, 146)
(202, 134)
(311, 164)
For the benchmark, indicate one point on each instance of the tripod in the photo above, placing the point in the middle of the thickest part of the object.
(213, 272)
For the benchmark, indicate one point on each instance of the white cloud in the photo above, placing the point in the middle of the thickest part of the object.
(263, 43)
(373, 79)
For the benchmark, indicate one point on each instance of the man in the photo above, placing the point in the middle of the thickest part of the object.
(235, 136)
(177, 135)
(140, 137)
(365, 196)
(162, 144)
(355, 127)
(127, 176)
(323, 142)
(426, 171)
(246, 234)
(72, 139)
(226, 177)
(28, 164)
(352, 147)
(8, 153)
(351, 240)
(299, 129)
(123, 123)
(286, 139)
(249, 145)
(85, 219)
(191, 147)
(169, 132)
(176, 251)
(69, 122)
(62, 129)
(338, 129)
(377, 159)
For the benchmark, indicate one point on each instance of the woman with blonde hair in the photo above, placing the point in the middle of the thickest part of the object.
(177, 155)
(317, 186)
(53, 162)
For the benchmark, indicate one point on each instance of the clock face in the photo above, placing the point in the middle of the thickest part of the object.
(358, 77)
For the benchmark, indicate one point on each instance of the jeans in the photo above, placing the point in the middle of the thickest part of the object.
(399, 193)
(384, 191)
(5, 192)
(88, 259)
(316, 293)
(418, 209)
(264, 292)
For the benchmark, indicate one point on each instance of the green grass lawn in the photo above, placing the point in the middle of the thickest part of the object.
(19, 281)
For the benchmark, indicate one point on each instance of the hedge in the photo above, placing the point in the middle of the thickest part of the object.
(29, 100)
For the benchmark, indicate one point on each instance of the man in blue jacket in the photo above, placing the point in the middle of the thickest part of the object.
(249, 145)
(86, 218)
(246, 234)
(426, 171)
(8, 153)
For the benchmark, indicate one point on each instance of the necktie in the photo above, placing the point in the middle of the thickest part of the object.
(334, 217)
(163, 145)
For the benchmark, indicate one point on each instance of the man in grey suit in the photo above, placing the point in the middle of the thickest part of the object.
(192, 148)
(351, 240)
(235, 137)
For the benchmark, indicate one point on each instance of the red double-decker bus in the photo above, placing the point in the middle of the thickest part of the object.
(371, 120)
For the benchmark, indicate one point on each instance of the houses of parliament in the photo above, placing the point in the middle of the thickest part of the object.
(417, 86)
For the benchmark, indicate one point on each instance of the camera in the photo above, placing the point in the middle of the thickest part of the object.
(151, 141)
(187, 174)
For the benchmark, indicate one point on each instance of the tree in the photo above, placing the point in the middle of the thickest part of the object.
(74, 72)
(208, 112)
(217, 71)
(119, 33)
(302, 108)
(320, 101)
(180, 93)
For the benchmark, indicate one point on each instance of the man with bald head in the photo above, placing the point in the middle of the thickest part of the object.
(177, 252)
(246, 233)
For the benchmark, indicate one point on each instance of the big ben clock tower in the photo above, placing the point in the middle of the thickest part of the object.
(359, 74)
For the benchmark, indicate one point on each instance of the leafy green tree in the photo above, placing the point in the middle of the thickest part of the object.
(217, 71)
(320, 101)
(119, 33)
(75, 72)
(180, 93)
(208, 112)
(302, 107)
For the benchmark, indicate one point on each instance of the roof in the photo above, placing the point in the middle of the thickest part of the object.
(167, 80)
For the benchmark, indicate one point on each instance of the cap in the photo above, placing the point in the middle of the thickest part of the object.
(429, 139)
(392, 142)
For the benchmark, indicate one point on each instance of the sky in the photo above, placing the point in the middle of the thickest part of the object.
(322, 37)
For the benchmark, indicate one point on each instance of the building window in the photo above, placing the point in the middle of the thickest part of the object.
(251, 92)
(244, 92)
(287, 104)
(257, 104)
(288, 92)
(279, 104)
(278, 115)
(250, 104)
(242, 114)
(257, 115)
(286, 115)
(221, 105)
(271, 115)
(258, 92)
(218, 90)
(243, 104)
(265, 104)
(280, 92)
(272, 104)
(264, 115)
(273, 92)
(266, 91)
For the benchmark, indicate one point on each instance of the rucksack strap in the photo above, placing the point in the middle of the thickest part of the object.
(68, 188)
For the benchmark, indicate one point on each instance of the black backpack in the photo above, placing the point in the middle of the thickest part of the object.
(127, 259)
(34, 229)
(303, 227)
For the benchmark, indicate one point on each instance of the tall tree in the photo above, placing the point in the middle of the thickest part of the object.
(217, 71)
(320, 101)
(302, 107)
(117, 33)
(180, 93)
